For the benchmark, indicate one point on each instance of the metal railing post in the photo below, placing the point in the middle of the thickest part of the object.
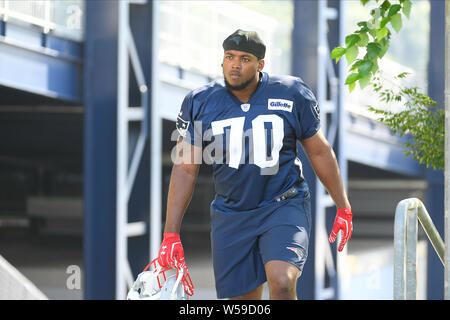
(407, 213)
(411, 253)
(399, 250)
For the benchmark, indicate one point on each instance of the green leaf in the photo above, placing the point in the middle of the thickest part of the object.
(351, 87)
(385, 5)
(375, 66)
(384, 48)
(402, 75)
(351, 54)
(384, 21)
(364, 2)
(363, 40)
(373, 49)
(356, 64)
(352, 78)
(364, 82)
(394, 9)
(373, 33)
(383, 32)
(396, 22)
(337, 53)
(351, 40)
(407, 8)
(362, 24)
(364, 68)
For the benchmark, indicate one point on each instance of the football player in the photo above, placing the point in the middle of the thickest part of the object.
(260, 216)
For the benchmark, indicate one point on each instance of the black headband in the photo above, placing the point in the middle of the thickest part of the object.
(247, 41)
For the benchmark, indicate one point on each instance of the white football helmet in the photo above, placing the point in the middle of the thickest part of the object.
(161, 283)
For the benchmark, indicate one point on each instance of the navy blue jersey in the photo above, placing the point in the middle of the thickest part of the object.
(251, 146)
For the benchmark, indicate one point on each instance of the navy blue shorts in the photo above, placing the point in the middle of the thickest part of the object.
(242, 242)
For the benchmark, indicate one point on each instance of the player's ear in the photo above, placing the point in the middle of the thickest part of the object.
(260, 64)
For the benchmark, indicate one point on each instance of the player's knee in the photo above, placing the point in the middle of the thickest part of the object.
(282, 282)
(283, 285)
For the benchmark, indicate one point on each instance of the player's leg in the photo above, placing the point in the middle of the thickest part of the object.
(255, 294)
(284, 248)
(238, 268)
(282, 279)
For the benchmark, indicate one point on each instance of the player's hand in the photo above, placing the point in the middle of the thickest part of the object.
(171, 252)
(342, 222)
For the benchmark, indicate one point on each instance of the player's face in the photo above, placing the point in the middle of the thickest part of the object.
(240, 68)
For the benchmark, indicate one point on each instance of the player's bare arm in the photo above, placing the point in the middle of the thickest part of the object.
(181, 187)
(171, 253)
(324, 163)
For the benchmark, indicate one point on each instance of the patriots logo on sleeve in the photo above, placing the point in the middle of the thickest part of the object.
(316, 110)
(182, 126)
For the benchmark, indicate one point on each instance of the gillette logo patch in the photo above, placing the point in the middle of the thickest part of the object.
(280, 104)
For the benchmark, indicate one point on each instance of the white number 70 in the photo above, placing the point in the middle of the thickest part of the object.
(259, 138)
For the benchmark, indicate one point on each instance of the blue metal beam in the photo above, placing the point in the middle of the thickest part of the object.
(100, 127)
(51, 68)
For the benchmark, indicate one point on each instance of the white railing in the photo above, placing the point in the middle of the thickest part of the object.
(405, 246)
(61, 17)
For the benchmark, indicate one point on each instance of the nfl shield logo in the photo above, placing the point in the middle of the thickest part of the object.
(245, 107)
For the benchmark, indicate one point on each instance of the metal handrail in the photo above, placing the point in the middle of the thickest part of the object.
(407, 213)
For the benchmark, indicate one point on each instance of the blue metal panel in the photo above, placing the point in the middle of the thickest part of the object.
(100, 92)
(26, 35)
(66, 48)
(28, 66)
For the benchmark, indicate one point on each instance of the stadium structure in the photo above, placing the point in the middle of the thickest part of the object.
(89, 94)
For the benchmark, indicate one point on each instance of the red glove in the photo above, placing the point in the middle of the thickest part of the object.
(343, 221)
(171, 252)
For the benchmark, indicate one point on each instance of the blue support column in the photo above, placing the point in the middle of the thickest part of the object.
(435, 179)
(100, 96)
(315, 26)
(304, 62)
